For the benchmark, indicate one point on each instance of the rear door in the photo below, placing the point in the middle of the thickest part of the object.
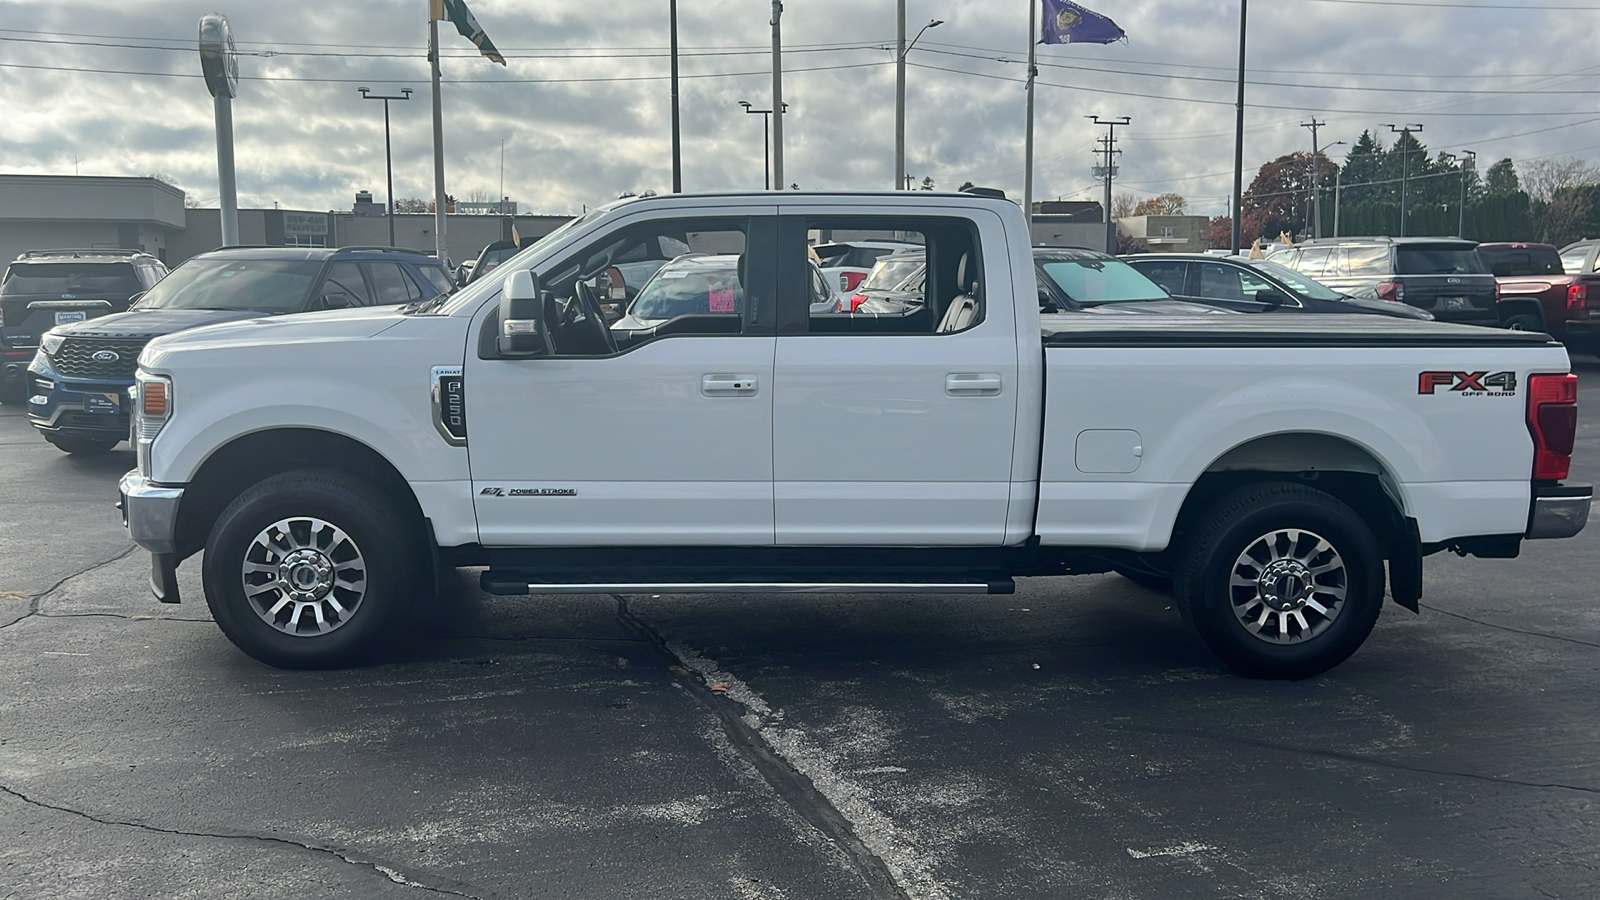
(898, 430)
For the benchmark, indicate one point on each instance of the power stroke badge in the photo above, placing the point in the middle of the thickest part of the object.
(528, 492)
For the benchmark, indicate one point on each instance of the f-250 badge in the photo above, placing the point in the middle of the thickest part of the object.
(528, 492)
(1470, 384)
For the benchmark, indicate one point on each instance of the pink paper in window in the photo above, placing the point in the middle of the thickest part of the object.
(721, 300)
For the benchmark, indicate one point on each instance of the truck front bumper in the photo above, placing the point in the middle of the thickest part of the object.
(1559, 511)
(150, 513)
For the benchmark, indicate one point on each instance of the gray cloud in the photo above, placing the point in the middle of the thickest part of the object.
(313, 144)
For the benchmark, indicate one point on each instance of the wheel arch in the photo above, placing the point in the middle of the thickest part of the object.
(1521, 306)
(251, 458)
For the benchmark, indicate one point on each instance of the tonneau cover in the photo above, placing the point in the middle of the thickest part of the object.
(1280, 330)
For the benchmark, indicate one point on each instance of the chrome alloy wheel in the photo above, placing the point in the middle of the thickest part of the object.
(1288, 586)
(303, 576)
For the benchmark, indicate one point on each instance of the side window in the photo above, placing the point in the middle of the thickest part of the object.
(703, 291)
(1366, 261)
(934, 288)
(345, 277)
(435, 281)
(391, 285)
(1219, 282)
(1250, 283)
(1168, 274)
(1314, 261)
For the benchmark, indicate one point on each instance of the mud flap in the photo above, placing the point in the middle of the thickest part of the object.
(1405, 567)
(164, 577)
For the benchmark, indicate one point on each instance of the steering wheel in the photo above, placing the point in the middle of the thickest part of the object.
(594, 322)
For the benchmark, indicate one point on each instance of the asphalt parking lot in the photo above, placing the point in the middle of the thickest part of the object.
(1072, 740)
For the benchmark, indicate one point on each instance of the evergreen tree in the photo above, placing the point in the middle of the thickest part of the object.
(1502, 179)
(1361, 169)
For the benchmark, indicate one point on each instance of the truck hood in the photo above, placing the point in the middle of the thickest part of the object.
(150, 323)
(298, 328)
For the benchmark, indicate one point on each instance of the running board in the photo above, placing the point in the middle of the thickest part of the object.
(513, 583)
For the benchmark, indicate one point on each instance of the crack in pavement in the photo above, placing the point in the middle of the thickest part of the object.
(790, 784)
(135, 617)
(33, 607)
(1553, 637)
(1358, 759)
(388, 872)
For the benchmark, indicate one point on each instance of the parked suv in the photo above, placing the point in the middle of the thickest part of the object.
(1444, 276)
(1538, 292)
(46, 288)
(78, 382)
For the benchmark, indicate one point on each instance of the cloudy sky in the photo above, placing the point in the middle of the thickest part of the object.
(111, 87)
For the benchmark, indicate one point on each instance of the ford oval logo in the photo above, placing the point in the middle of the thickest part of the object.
(1453, 280)
(105, 356)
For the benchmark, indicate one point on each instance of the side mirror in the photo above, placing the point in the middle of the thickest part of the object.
(1269, 297)
(522, 326)
(337, 300)
(1047, 303)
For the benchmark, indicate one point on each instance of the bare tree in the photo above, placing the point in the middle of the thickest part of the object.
(1168, 204)
(1122, 205)
(1565, 215)
(1544, 178)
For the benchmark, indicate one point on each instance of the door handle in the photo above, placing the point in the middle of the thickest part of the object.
(729, 386)
(972, 384)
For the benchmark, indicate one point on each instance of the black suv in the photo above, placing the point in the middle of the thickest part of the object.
(46, 288)
(1444, 276)
(78, 382)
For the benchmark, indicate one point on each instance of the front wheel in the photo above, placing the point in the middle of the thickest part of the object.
(311, 569)
(1282, 581)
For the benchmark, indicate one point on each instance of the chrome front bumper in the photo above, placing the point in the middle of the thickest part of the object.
(150, 513)
(1559, 511)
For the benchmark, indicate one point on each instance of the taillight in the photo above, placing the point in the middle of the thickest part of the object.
(1497, 292)
(1577, 299)
(849, 280)
(1392, 291)
(856, 300)
(1553, 422)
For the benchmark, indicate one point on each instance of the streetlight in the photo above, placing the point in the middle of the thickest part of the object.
(1405, 165)
(1471, 160)
(388, 153)
(766, 138)
(901, 49)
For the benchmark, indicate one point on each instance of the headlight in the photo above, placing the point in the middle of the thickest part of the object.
(152, 407)
(50, 342)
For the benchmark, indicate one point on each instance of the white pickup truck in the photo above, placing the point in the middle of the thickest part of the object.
(333, 465)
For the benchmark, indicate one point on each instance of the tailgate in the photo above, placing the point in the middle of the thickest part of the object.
(27, 319)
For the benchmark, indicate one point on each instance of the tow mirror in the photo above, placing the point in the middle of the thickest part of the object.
(522, 326)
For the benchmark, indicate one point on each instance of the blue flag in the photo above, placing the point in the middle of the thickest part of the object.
(1066, 22)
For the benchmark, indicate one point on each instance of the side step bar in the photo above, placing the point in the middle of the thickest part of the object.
(516, 583)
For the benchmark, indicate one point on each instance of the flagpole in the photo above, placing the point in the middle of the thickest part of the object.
(438, 138)
(1027, 176)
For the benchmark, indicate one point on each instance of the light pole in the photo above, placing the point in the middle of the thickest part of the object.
(388, 154)
(901, 49)
(1405, 165)
(1471, 159)
(766, 139)
(1238, 134)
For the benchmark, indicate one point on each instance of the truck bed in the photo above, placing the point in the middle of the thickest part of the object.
(1065, 330)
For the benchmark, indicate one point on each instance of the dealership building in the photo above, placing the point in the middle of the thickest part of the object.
(42, 212)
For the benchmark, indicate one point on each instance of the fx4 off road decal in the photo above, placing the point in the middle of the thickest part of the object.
(1470, 384)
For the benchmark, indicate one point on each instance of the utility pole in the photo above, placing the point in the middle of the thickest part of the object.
(777, 93)
(1108, 146)
(1338, 185)
(1027, 141)
(1405, 132)
(1238, 135)
(1471, 159)
(1316, 177)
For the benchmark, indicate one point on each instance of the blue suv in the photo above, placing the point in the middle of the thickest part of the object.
(78, 382)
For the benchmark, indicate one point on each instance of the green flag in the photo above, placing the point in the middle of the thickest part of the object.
(456, 11)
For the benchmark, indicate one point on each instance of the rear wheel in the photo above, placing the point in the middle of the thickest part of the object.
(81, 446)
(1524, 322)
(311, 569)
(1282, 581)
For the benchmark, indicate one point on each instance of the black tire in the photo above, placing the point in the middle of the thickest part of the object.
(1265, 520)
(1161, 584)
(1523, 322)
(81, 446)
(386, 566)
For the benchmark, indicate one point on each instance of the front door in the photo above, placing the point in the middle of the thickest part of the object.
(897, 427)
(663, 439)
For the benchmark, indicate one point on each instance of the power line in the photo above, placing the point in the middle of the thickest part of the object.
(364, 80)
(1416, 4)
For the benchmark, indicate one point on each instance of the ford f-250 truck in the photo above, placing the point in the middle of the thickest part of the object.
(332, 465)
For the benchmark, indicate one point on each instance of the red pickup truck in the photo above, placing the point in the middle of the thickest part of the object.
(1542, 289)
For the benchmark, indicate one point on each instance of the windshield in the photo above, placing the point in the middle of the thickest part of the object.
(1444, 259)
(259, 285)
(1095, 281)
(680, 292)
(71, 278)
(471, 292)
(888, 273)
(1316, 290)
